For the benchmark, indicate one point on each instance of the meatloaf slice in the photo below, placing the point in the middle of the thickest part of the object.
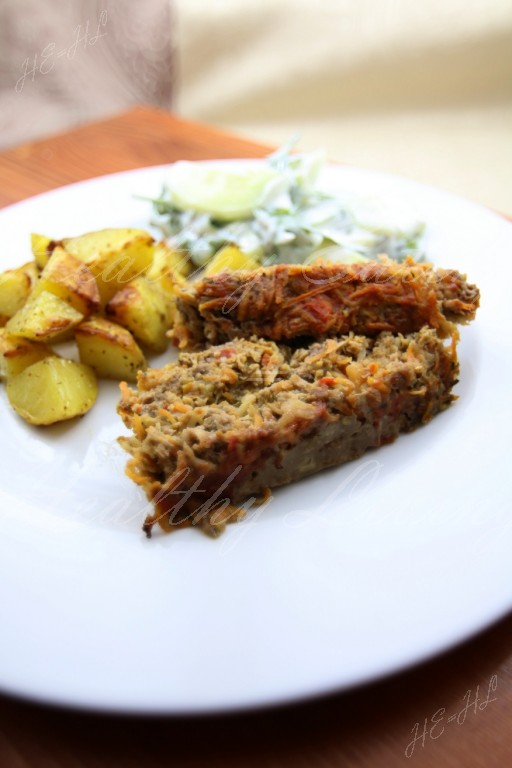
(222, 426)
(289, 301)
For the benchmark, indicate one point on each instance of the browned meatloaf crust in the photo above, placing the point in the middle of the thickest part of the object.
(289, 301)
(224, 425)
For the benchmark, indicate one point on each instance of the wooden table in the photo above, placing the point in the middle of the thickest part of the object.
(399, 721)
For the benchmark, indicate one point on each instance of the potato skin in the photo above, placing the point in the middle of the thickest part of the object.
(145, 310)
(115, 256)
(44, 317)
(71, 280)
(168, 267)
(17, 353)
(110, 350)
(52, 390)
(15, 288)
(41, 247)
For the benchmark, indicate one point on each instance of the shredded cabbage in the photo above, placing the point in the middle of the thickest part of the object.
(277, 214)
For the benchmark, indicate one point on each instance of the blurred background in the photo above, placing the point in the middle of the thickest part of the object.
(421, 89)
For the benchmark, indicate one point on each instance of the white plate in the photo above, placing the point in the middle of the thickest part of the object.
(348, 576)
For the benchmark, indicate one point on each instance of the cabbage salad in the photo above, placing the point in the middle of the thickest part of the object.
(275, 213)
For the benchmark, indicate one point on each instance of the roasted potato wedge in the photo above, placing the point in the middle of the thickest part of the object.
(44, 317)
(168, 267)
(41, 247)
(110, 350)
(115, 256)
(145, 310)
(229, 258)
(16, 354)
(167, 271)
(15, 287)
(71, 280)
(52, 390)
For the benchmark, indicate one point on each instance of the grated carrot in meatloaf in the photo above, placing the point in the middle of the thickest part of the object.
(224, 425)
(290, 301)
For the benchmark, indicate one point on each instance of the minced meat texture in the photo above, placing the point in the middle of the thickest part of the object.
(288, 301)
(218, 428)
